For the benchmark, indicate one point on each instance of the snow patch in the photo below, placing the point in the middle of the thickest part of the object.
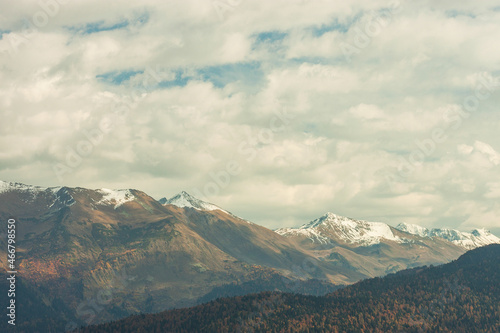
(116, 197)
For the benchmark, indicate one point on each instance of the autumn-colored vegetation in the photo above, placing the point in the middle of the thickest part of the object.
(462, 296)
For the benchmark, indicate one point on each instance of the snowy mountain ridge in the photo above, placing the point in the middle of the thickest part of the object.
(467, 240)
(348, 230)
(364, 233)
(62, 195)
(34, 190)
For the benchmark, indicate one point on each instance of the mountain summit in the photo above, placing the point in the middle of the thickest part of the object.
(184, 199)
(344, 229)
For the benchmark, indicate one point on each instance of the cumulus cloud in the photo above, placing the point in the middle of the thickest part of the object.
(487, 151)
(322, 106)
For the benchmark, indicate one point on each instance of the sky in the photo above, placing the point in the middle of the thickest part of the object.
(278, 111)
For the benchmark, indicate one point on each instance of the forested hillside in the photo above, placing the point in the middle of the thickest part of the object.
(462, 296)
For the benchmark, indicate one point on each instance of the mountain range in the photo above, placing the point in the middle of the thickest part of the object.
(99, 255)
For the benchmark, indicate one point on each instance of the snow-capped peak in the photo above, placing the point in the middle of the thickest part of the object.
(115, 197)
(469, 241)
(327, 218)
(351, 231)
(184, 199)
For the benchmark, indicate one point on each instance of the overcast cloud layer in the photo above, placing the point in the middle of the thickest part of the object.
(277, 111)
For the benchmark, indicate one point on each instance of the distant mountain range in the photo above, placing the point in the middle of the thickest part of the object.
(469, 241)
(462, 296)
(75, 244)
(333, 228)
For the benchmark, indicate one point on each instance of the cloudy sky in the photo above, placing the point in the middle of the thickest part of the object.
(278, 111)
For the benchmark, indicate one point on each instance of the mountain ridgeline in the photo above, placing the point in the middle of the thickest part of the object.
(462, 296)
(91, 256)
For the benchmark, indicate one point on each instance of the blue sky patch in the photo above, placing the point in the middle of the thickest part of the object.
(456, 13)
(99, 26)
(248, 74)
(94, 27)
(117, 77)
(270, 36)
(2, 32)
(335, 25)
(142, 19)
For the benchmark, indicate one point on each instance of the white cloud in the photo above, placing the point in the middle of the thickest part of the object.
(488, 151)
(367, 112)
(465, 149)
